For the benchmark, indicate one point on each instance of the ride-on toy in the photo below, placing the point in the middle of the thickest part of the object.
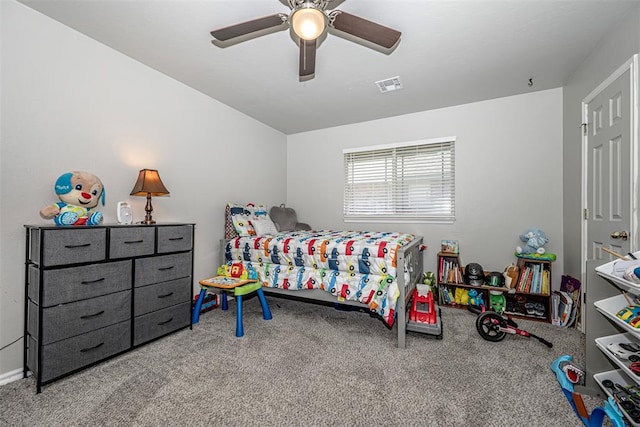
(494, 327)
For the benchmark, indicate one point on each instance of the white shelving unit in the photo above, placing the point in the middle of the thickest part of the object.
(619, 377)
(602, 344)
(609, 307)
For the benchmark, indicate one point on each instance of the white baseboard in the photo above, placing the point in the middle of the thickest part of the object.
(10, 377)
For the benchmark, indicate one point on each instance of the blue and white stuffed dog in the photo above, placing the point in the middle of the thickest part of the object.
(534, 239)
(79, 193)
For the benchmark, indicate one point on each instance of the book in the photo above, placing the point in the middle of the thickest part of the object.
(545, 282)
(449, 246)
(527, 286)
(563, 309)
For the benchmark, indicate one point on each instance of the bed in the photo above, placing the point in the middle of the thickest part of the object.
(373, 270)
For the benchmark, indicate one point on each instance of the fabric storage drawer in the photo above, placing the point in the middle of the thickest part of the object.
(154, 297)
(76, 283)
(67, 320)
(69, 246)
(158, 323)
(127, 242)
(162, 268)
(175, 238)
(74, 353)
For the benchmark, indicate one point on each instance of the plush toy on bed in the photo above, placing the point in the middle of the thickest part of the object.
(79, 193)
(534, 240)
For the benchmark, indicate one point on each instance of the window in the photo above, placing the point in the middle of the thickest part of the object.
(412, 181)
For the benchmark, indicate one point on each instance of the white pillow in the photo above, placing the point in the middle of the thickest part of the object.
(264, 226)
(240, 217)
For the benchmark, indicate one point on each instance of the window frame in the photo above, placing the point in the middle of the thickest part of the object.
(446, 216)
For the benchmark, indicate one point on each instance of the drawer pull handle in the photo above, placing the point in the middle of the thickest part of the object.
(84, 350)
(166, 321)
(176, 238)
(165, 295)
(129, 242)
(88, 282)
(89, 316)
(84, 245)
(165, 268)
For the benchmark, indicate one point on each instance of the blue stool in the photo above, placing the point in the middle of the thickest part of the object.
(238, 293)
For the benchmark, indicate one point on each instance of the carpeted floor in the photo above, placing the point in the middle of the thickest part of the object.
(311, 365)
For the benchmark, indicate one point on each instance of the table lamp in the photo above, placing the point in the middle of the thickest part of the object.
(149, 184)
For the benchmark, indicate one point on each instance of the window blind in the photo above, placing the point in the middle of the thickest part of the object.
(404, 182)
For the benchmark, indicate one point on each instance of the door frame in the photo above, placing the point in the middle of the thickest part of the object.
(634, 215)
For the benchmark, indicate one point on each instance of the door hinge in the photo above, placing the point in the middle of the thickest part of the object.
(586, 213)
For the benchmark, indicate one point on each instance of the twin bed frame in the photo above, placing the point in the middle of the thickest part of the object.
(409, 260)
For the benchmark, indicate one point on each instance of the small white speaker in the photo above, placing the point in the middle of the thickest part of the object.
(125, 214)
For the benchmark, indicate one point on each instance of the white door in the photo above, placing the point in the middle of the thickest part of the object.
(610, 172)
(609, 132)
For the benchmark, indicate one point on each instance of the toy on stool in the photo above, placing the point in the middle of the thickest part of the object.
(79, 192)
(237, 270)
(423, 306)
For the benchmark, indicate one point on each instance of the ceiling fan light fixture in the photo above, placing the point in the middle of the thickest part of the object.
(308, 22)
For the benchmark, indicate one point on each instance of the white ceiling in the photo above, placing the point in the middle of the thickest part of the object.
(450, 53)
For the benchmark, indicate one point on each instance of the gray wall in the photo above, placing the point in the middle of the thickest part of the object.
(618, 46)
(508, 174)
(69, 102)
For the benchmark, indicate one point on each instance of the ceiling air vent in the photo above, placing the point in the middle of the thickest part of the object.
(389, 85)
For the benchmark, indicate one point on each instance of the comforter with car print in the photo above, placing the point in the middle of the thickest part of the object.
(350, 265)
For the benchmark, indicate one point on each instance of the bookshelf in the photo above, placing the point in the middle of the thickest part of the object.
(530, 296)
(449, 276)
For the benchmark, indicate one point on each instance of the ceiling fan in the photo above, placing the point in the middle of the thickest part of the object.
(309, 20)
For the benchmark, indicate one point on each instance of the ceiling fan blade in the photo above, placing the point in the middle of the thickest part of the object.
(307, 58)
(244, 28)
(365, 29)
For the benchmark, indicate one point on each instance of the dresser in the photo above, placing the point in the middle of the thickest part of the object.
(93, 292)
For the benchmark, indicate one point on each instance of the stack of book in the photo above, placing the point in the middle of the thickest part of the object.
(447, 296)
(449, 272)
(534, 279)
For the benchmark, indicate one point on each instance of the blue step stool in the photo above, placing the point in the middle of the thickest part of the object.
(239, 290)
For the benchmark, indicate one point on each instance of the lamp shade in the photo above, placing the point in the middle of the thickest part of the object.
(308, 21)
(149, 182)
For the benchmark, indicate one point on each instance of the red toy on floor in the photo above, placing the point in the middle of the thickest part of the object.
(422, 308)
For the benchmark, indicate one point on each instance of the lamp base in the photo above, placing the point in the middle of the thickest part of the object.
(148, 209)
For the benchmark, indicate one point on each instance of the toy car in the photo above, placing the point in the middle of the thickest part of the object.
(623, 354)
(628, 313)
(635, 368)
(635, 322)
(631, 346)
